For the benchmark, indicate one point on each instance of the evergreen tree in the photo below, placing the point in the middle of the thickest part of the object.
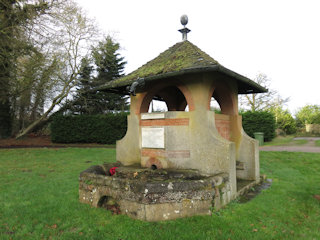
(82, 103)
(109, 66)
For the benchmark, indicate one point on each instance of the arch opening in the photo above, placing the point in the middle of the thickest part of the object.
(110, 204)
(169, 98)
(222, 103)
(222, 100)
(157, 106)
(214, 105)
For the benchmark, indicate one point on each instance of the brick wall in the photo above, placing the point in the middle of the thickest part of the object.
(154, 153)
(165, 122)
(223, 125)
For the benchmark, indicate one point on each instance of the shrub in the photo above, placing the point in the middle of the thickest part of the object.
(284, 120)
(89, 128)
(286, 123)
(259, 122)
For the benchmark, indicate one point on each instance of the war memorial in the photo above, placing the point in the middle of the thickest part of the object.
(188, 160)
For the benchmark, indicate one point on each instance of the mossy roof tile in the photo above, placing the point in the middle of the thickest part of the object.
(181, 58)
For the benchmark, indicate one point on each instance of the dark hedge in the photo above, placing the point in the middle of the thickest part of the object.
(89, 128)
(259, 122)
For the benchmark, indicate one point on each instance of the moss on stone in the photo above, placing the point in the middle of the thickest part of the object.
(221, 186)
(183, 55)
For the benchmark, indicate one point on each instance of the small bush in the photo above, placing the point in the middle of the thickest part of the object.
(89, 128)
(259, 122)
(286, 123)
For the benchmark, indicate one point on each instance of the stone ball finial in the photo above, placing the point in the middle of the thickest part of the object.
(184, 20)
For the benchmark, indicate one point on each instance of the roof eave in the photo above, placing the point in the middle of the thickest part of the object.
(259, 88)
(255, 88)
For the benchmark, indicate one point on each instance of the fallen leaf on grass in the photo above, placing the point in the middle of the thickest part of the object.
(254, 230)
(54, 226)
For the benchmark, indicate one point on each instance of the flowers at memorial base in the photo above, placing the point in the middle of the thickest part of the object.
(112, 171)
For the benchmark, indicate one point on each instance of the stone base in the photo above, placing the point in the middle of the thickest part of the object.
(165, 211)
(153, 195)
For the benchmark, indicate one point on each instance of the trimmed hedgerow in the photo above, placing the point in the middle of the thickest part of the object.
(259, 122)
(105, 129)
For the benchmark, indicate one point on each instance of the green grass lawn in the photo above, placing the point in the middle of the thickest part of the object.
(39, 200)
(286, 141)
(317, 143)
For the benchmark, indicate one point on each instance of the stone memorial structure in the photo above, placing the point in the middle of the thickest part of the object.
(177, 163)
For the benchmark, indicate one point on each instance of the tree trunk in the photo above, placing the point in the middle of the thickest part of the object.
(56, 101)
(31, 127)
(5, 120)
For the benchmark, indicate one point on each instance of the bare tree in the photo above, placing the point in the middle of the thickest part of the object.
(262, 101)
(64, 36)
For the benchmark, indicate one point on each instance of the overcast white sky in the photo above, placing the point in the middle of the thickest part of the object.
(280, 38)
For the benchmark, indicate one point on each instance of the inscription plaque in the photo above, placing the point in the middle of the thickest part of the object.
(152, 137)
(145, 116)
